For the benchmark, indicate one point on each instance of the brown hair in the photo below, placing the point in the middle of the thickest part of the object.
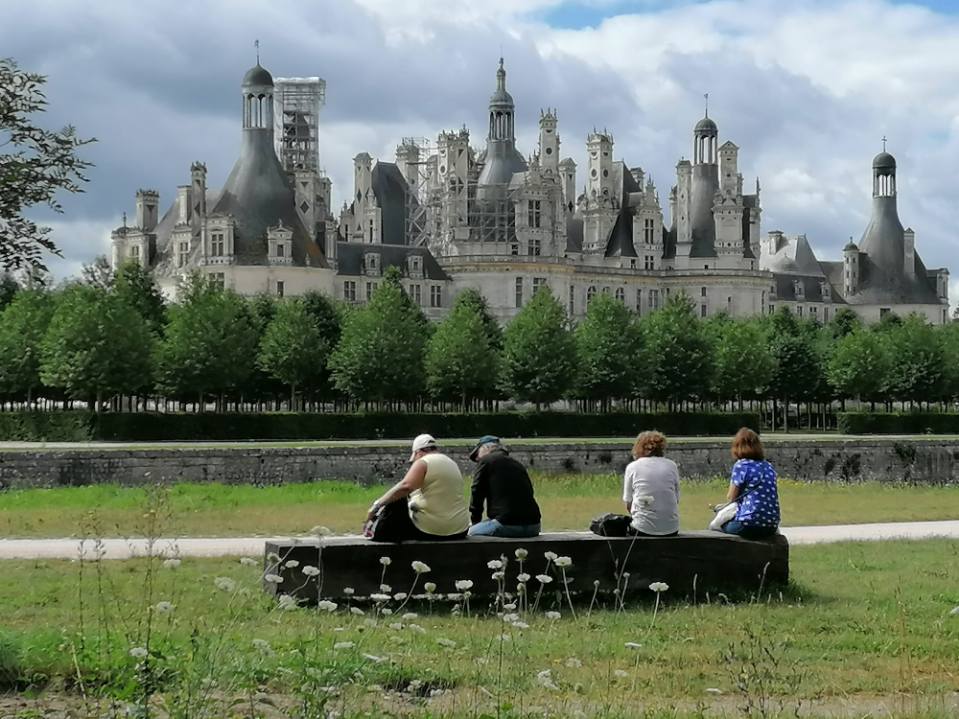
(649, 444)
(746, 445)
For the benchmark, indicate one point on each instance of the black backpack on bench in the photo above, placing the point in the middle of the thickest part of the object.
(611, 525)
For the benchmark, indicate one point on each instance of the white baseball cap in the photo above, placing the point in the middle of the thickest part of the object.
(422, 441)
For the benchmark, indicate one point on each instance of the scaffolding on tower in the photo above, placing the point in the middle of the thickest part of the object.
(416, 157)
(296, 121)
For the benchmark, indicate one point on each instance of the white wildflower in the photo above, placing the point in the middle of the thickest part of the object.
(386, 561)
(520, 625)
(273, 557)
(563, 562)
(420, 567)
(386, 612)
(522, 578)
(430, 587)
(311, 571)
(573, 663)
(380, 598)
(633, 645)
(543, 578)
(225, 584)
(286, 602)
(262, 646)
(321, 531)
(343, 645)
(521, 554)
(454, 596)
(511, 607)
(508, 618)
(550, 556)
(410, 615)
(498, 575)
(658, 587)
(325, 605)
(521, 588)
(273, 578)
(416, 628)
(448, 643)
(463, 584)
(172, 563)
(292, 564)
(494, 564)
(248, 562)
(386, 589)
(348, 591)
(400, 596)
(396, 626)
(357, 611)
(163, 607)
(553, 615)
(545, 679)
(139, 653)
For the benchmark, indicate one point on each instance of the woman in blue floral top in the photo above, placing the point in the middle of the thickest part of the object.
(753, 485)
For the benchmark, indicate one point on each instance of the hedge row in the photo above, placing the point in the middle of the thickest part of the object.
(86, 426)
(898, 422)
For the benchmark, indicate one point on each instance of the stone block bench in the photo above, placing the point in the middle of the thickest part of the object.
(689, 562)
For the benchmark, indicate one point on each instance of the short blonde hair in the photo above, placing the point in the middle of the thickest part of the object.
(747, 445)
(649, 444)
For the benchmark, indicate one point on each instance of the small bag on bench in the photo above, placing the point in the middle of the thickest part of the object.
(611, 525)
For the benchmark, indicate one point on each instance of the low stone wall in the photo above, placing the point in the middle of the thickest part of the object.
(925, 461)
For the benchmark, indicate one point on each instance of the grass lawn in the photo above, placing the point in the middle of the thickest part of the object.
(864, 627)
(567, 502)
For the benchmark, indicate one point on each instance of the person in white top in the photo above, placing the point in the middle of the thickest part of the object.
(651, 488)
(428, 504)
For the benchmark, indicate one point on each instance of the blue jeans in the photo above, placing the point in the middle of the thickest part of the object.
(494, 528)
(747, 532)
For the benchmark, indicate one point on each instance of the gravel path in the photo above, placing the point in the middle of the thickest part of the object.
(253, 546)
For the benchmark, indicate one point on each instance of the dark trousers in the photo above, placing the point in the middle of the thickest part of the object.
(394, 525)
(747, 532)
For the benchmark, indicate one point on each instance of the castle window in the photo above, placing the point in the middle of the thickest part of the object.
(649, 262)
(702, 310)
(799, 310)
(280, 249)
(702, 292)
(280, 288)
(639, 302)
(217, 245)
(590, 293)
(183, 251)
(533, 213)
(654, 299)
(534, 247)
(648, 225)
(572, 300)
(416, 294)
(370, 289)
(772, 309)
(537, 283)
(514, 249)
(371, 231)
(621, 295)
(825, 314)
(436, 296)
(349, 291)
(135, 253)
(519, 291)
(219, 280)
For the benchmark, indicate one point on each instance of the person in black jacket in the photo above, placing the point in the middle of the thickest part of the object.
(502, 484)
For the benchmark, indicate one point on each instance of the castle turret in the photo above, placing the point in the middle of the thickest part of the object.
(567, 170)
(548, 143)
(705, 185)
(850, 271)
(148, 202)
(884, 239)
(502, 158)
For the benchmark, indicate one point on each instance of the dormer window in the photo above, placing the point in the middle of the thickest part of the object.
(799, 289)
(414, 266)
(371, 263)
(280, 241)
(826, 291)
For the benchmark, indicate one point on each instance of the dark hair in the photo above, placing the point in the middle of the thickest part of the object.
(649, 444)
(746, 445)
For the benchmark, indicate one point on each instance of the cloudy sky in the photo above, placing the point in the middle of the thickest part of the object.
(807, 89)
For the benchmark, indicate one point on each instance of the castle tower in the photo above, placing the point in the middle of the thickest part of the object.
(297, 122)
(198, 182)
(883, 242)
(453, 165)
(567, 171)
(704, 186)
(850, 270)
(502, 158)
(548, 143)
(599, 150)
(148, 202)
(257, 90)
(365, 227)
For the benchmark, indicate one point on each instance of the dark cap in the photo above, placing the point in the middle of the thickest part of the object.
(485, 439)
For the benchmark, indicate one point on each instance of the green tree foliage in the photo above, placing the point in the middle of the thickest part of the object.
(328, 316)
(95, 346)
(475, 299)
(8, 289)
(797, 369)
(678, 360)
(539, 353)
(744, 362)
(844, 322)
(860, 365)
(917, 360)
(382, 347)
(98, 273)
(608, 351)
(461, 364)
(292, 349)
(210, 343)
(37, 164)
(135, 285)
(22, 326)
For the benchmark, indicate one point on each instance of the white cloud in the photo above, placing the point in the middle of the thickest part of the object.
(806, 89)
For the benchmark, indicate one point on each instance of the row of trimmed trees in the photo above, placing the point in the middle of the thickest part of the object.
(100, 340)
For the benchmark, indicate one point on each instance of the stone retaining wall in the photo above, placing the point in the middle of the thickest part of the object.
(924, 461)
